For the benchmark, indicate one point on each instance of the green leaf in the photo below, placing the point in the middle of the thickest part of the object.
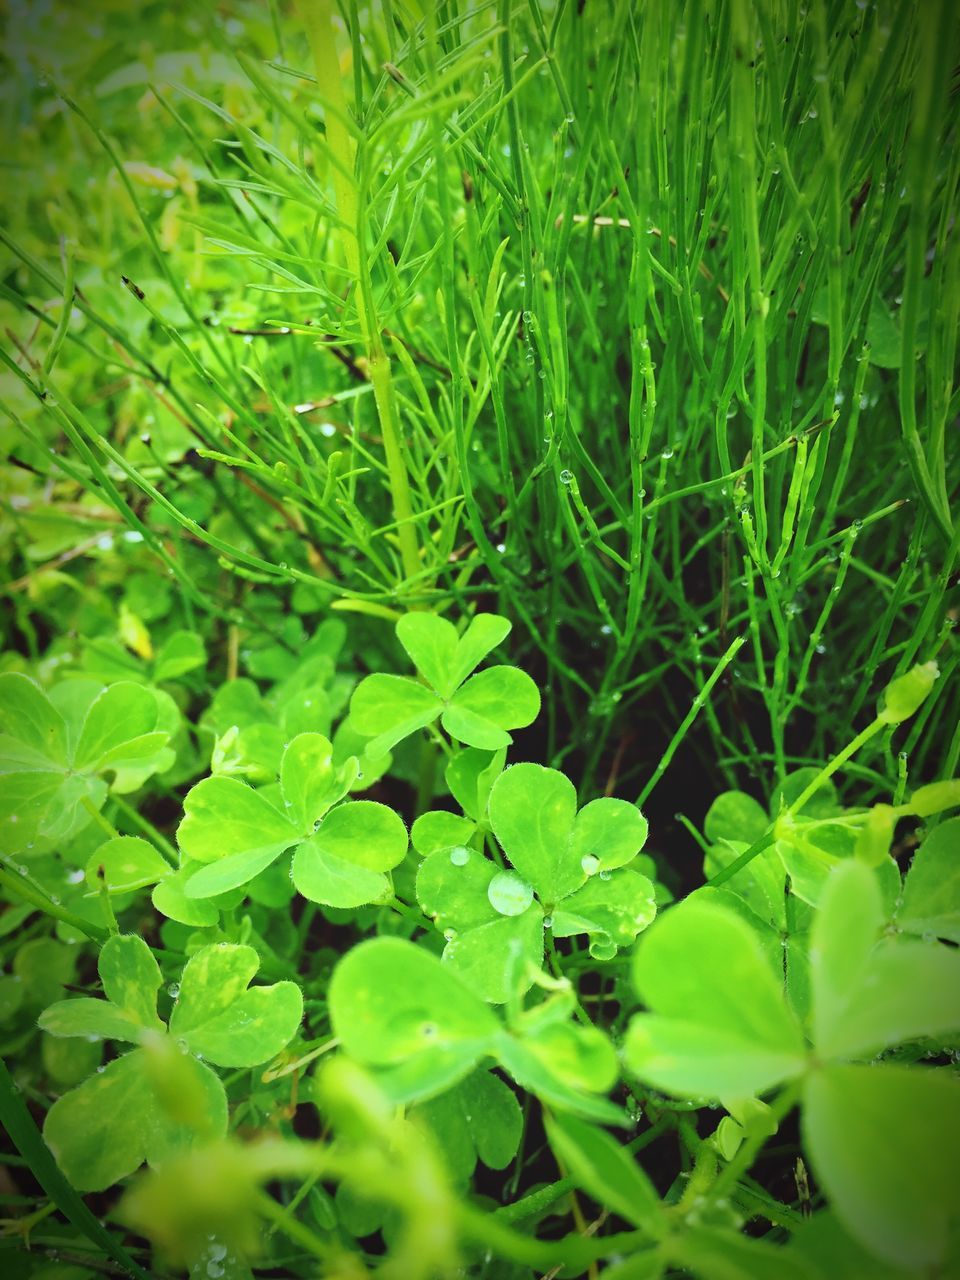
(233, 827)
(131, 978)
(844, 933)
(599, 1165)
(220, 1019)
(808, 866)
(884, 1142)
(906, 990)
(439, 831)
(309, 782)
(470, 774)
(484, 632)
(617, 908)
(27, 717)
(427, 1074)
(494, 1116)
(713, 1253)
(931, 891)
(388, 709)
(23, 1133)
(119, 726)
(128, 863)
(44, 966)
(224, 817)
(90, 1018)
(832, 1251)
(760, 885)
(719, 1024)
(532, 812)
(390, 1000)
(490, 703)
(66, 1062)
(431, 644)
(500, 959)
(365, 833)
(478, 1117)
(610, 831)
(735, 816)
(822, 804)
(182, 651)
(452, 888)
(565, 1065)
(228, 873)
(883, 335)
(107, 1127)
(343, 864)
(170, 899)
(322, 877)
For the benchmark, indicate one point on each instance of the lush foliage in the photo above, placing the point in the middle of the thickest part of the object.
(478, 716)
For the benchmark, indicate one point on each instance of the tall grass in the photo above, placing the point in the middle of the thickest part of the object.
(636, 323)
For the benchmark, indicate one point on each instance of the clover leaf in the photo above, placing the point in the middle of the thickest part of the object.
(54, 751)
(931, 890)
(397, 1008)
(479, 1118)
(150, 1102)
(342, 850)
(115, 1121)
(474, 709)
(569, 876)
(718, 1025)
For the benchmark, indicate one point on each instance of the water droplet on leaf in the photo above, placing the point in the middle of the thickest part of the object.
(509, 894)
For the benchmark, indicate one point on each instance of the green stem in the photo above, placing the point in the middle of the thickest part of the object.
(317, 18)
(110, 830)
(768, 838)
(695, 708)
(292, 1227)
(147, 827)
(28, 893)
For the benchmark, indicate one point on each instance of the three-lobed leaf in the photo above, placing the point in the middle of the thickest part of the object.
(108, 1126)
(477, 710)
(718, 1024)
(220, 1017)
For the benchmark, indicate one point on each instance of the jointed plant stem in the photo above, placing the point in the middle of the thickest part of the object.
(317, 17)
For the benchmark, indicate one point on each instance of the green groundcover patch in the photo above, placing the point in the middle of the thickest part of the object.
(479, 734)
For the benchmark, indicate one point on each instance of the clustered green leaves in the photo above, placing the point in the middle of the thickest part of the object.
(432, 436)
(801, 978)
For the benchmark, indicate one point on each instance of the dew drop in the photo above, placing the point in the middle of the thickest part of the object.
(173, 991)
(459, 855)
(590, 864)
(566, 477)
(509, 894)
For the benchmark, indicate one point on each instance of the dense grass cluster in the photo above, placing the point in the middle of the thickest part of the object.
(632, 325)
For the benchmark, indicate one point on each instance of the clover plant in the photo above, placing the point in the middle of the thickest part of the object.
(568, 877)
(476, 709)
(54, 751)
(479, 711)
(156, 1099)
